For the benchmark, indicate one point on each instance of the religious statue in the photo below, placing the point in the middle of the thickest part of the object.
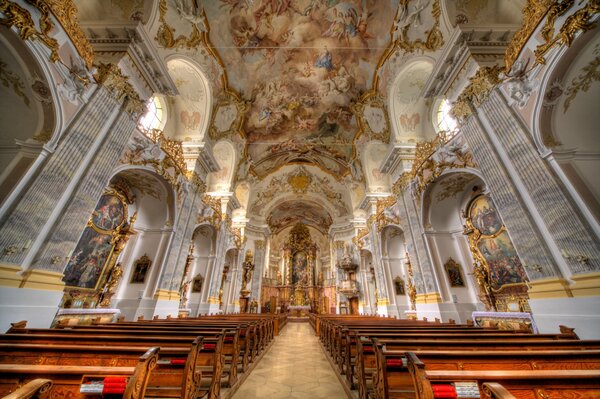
(183, 294)
(111, 284)
(247, 268)
(254, 306)
(482, 276)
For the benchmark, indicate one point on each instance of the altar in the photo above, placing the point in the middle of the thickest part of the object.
(299, 310)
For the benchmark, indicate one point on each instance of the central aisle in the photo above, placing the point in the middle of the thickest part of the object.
(294, 367)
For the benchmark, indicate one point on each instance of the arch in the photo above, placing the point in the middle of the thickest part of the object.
(408, 108)
(565, 120)
(30, 112)
(190, 110)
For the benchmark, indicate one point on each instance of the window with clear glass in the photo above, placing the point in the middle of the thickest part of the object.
(445, 121)
(153, 117)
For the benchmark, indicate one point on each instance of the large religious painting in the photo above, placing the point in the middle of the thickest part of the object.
(300, 269)
(87, 263)
(503, 276)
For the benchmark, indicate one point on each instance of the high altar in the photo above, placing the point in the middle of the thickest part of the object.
(297, 290)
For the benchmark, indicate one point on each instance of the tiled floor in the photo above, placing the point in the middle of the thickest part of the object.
(294, 367)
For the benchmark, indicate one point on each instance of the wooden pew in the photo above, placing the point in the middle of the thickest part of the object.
(393, 380)
(67, 380)
(580, 384)
(177, 371)
(209, 357)
(34, 388)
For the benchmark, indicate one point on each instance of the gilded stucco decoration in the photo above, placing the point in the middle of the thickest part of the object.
(372, 116)
(453, 185)
(583, 81)
(432, 158)
(406, 23)
(20, 18)
(11, 80)
(579, 21)
(300, 181)
(212, 213)
(165, 156)
(110, 76)
(534, 12)
(480, 86)
(228, 116)
(65, 12)
(167, 34)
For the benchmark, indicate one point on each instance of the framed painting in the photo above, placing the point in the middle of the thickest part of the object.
(140, 270)
(454, 273)
(399, 286)
(86, 267)
(197, 284)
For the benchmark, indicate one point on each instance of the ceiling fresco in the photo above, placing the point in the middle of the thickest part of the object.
(292, 212)
(301, 64)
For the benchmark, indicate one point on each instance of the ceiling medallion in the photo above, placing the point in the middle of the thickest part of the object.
(300, 180)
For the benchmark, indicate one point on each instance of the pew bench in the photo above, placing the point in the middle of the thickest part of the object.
(69, 381)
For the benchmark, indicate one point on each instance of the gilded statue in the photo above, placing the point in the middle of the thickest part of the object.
(111, 285)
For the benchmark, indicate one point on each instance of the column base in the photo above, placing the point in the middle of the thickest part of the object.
(580, 313)
(37, 306)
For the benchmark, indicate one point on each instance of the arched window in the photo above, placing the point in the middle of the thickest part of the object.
(154, 117)
(444, 122)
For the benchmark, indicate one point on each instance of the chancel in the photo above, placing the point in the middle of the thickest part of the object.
(299, 198)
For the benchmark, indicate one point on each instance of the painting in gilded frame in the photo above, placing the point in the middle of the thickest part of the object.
(484, 216)
(399, 286)
(454, 273)
(87, 264)
(140, 270)
(494, 245)
(300, 269)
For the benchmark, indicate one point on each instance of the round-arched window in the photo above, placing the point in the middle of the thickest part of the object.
(444, 122)
(154, 117)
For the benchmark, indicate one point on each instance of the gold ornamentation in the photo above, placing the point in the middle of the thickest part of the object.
(11, 80)
(534, 12)
(166, 33)
(229, 99)
(412, 289)
(172, 148)
(17, 16)
(299, 180)
(373, 100)
(260, 244)
(589, 74)
(477, 91)
(197, 182)
(360, 234)
(400, 40)
(217, 216)
(66, 14)
(575, 23)
(111, 77)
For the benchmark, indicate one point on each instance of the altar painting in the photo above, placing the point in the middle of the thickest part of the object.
(484, 216)
(87, 262)
(502, 259)
(300, 269)
(494, 244)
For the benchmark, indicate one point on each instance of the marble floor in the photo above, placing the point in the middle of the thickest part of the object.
(294, 367)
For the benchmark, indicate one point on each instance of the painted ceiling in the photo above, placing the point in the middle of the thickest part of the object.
(291, 212)
(301, 64)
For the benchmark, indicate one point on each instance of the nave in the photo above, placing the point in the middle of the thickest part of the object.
(294, 367)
